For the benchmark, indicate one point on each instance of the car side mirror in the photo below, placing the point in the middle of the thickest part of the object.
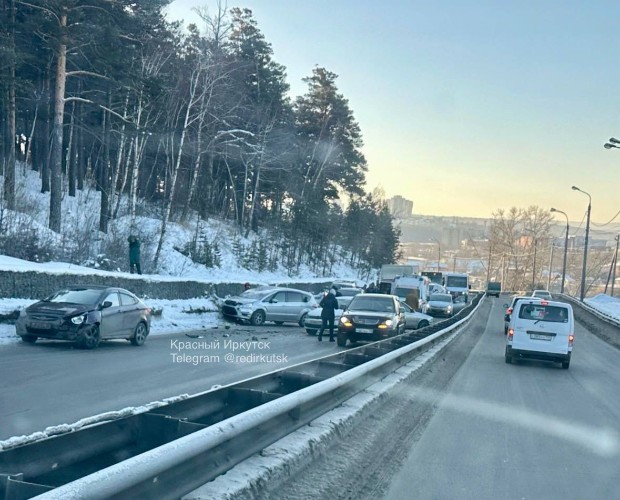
(273, 301)
(106, 304)
(306, 299)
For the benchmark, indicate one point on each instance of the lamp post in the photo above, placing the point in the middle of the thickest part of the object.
(582, 291)
(565, 248)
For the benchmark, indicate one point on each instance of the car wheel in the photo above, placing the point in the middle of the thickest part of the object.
(310, 331)
(258, 318)
(29, 339)
(302, 320)
(565, 364)
(341, 339)
(140, 334)
(279, 323)
(508, 357)
(90, 338)
(423, 324)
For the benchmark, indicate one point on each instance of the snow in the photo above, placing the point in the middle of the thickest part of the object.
(80, 221)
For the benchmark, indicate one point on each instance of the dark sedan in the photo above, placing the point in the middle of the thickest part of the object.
(371, 317)
(86, 315)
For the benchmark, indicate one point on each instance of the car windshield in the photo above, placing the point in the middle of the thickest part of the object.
(373, 304)
(403, 292)
(85, 296)
(441, 297)
(456, 281)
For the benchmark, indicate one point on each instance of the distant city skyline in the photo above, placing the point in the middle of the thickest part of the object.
(465, 107)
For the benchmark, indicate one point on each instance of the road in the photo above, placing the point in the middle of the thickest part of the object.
(51, 383)
(473, 427)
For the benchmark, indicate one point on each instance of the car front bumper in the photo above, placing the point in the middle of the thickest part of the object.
(54, 332)
(355, 334)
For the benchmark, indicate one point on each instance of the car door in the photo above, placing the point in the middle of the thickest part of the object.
(111, 318)
(275, 305)
(294, 306)
(130, 311)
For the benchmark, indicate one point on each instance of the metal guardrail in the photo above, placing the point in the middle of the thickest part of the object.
(170, 451)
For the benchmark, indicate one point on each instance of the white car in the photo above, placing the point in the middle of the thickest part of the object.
(542, 294)
(541, 329)
(413, 320)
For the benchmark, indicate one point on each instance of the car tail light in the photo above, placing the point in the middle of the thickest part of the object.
(571, 338)
(509, 310)
(544, 303)
(510, 333)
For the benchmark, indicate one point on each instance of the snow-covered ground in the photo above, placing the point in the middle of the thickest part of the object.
(177, 315)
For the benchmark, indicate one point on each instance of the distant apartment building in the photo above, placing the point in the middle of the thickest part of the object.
(400, 207)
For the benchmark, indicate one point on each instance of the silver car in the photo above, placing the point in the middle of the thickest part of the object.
(440, 304)
(413, 319)
(280, 305)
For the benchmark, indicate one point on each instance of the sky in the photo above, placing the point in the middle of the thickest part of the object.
(465, 107)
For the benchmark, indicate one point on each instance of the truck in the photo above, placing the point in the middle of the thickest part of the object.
(457, 285)
(494, 288)
(389, 272)
(404, 285)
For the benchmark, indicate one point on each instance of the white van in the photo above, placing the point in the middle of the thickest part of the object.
(541, 329)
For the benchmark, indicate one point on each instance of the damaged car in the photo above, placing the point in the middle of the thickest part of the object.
(86, 315)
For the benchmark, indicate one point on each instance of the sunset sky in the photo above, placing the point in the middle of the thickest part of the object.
(466, 106)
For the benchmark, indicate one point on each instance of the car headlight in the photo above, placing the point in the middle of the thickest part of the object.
(346, 321)
(386, 323)
(78, 320)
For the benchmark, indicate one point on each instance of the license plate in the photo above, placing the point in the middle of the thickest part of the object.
(364, 330)
(40, 325)
(539, 337)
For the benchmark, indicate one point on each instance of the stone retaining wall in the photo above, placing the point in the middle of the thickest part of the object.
(36, 285)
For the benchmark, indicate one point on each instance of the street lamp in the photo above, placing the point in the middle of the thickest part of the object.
(582, 292)
(565, 248)
(613, 143)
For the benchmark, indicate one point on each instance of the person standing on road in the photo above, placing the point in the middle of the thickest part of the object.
(134, 254)
(412, 300)
(328, 314)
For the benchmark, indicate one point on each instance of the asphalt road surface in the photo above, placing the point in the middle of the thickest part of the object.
(51, 383)
(470, 426)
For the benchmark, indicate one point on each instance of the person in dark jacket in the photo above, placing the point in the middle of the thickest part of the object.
(134, 254)
(328, 314)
